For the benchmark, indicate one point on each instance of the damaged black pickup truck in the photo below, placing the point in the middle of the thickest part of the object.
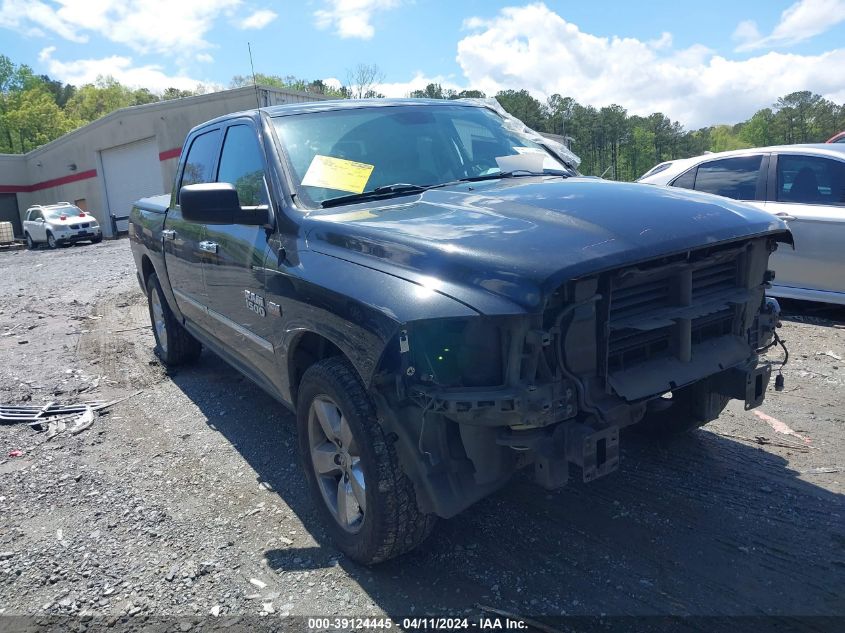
(443, 300)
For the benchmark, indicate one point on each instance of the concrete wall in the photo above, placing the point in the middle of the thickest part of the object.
(70, 169)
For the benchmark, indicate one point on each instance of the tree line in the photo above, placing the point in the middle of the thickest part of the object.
(35, 109)
(614, 144)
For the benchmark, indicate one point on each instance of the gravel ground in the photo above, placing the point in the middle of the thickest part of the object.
(187, 500)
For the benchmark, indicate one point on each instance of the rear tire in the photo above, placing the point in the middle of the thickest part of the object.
(358, 462)
(681, 415)
(174, 344)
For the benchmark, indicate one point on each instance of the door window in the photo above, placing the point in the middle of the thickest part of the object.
(810, 180)
(200, 160)
(242, 166)
(686, 180)
(730, 177)
(34, 215)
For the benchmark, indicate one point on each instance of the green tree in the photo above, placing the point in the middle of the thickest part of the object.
(431, 91)
(559, 112)
(758, 131)
(33, 119)
(523, 106)
(469, 94)
(724, 138)
(142, 96)
(96, 100)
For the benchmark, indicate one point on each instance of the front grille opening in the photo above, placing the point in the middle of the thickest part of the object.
(714, 279)
(712, 326)
(647, 309)
(639, 299)
(628, 348)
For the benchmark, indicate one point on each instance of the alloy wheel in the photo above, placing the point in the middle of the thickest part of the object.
(336, 460)
(158, 320)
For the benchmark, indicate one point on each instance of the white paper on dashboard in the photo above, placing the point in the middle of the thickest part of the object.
(521, 162)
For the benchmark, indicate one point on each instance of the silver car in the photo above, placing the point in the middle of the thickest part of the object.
(801, 184)
(59, 225)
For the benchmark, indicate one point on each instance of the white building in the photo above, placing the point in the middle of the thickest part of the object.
(128, 154)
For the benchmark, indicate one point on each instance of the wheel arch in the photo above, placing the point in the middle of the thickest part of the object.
(147, 268)
(306, 349)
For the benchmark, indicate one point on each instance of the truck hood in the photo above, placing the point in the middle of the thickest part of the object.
(518, 239)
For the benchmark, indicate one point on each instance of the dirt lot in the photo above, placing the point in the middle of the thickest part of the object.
(187, 498)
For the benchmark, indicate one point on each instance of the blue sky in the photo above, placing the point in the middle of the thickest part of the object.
(700, 63)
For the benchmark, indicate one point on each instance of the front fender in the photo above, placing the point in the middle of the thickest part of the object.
(356, 308)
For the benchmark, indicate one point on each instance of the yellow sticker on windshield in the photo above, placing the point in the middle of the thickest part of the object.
(337, 173)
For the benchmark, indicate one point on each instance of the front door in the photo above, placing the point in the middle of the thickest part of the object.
(234, 256)
(182, 238)
(809, 194)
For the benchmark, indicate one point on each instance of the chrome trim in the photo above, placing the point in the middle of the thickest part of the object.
(193, 302)
(254, 338)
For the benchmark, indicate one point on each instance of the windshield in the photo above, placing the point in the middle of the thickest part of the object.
(339, 152)
(56, 213)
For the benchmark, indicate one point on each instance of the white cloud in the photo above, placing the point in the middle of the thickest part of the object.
(801, 21)
(534, 48)
(352, 18)
(17, 14)
(204, 58)
(46, 53)
(146, 26)
(419, 82)
(258, 19)
(333, 83)
(83, 71)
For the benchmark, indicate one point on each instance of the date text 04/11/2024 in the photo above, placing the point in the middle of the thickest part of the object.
(492, 623)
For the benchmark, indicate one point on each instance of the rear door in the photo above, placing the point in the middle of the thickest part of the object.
(234, 255)
(182, 238)
(809, 193)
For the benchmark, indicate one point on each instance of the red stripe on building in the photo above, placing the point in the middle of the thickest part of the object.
(15, 188)
(171, 153)
(46, 184)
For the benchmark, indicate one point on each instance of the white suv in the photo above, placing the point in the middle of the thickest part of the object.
(60, 225)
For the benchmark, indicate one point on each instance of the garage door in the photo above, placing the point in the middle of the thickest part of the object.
(130, 172)
(9, 212)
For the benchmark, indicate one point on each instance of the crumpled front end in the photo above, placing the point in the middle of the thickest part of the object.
(480, 397)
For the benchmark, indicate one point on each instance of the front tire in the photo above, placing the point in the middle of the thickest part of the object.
(174, 344)
(97, 239)
(30, 244)
(366, 501)
(51, 240)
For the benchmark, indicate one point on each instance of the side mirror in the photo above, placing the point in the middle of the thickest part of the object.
(218, 203)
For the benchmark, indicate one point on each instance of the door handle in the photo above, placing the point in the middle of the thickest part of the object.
(208, 247)
(168, 234)
(783, 215)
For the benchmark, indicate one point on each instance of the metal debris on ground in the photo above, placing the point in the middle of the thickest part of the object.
(55, 418)
(760, 439)
(35, 414)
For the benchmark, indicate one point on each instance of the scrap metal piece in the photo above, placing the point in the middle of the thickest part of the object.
(36, 415)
